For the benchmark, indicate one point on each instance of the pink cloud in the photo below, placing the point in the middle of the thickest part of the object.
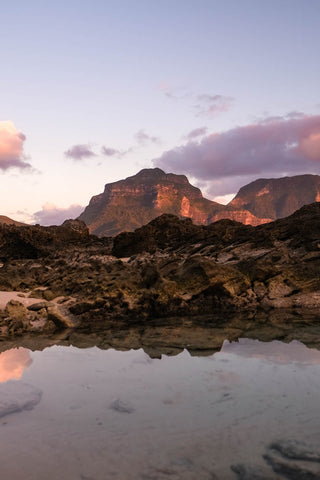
(212, 104)
(276, 147)
(310, 146)
(50, 214)
(11, 147)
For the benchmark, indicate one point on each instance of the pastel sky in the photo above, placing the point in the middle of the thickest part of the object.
(91, 92)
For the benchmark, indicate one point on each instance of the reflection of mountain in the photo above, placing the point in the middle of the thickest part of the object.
(274, 351)
(13, 362)
(200, 336)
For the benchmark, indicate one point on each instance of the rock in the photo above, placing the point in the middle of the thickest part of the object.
(172, 268)
(294, 460)
(16, 310)
(61, 317)
(251, 472)
(295, 450)
(17, 396)
(121, 406)
(35, 307)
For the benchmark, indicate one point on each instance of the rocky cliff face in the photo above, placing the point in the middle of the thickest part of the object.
(274, 198)
(128, 204)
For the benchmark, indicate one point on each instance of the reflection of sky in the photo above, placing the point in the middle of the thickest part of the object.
(275, 351)
(13, 362)
(221, 409)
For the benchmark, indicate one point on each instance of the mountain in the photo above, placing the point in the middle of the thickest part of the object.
(135, 201)
(8, 221)
(277, 197)
(128, 204)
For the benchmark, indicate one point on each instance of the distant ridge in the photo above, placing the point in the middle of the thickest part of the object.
(8, 221)
(130, 203)
(278, 197)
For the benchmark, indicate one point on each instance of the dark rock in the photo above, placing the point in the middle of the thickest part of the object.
(17, 396)
(178, 269)
(249, 472)
(294, 460)
(295, 450)
(121, 406)
(35, 307)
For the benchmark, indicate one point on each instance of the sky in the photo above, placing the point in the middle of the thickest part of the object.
(224, 92)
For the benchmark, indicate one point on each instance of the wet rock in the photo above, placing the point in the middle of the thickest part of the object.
(122, 406)
(294, 460)
(61, 317)
(251, 472)
(296, 450)
(17, 396)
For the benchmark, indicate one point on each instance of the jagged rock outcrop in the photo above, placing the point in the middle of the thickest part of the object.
(36, 241)
(275, 198)
(131, 203)
(169, 267)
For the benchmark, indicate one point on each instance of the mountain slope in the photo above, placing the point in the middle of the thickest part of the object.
(135, 201)
(128, 204)
(8, 221)
(277, 197)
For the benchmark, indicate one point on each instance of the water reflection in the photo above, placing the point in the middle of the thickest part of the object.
(200, 336)
(130, 415)
(274, 351)
(13, 363)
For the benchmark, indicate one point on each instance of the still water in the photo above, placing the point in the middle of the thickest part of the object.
(92, 414)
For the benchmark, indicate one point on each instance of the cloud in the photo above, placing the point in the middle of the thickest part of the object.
(79, 152)
(142, 138)
(203, 104)
(212, 104)
(50, 214)
(282, 146)
(295, 114)
(113, 152)
(11, 147)
(197, 132)
(110, 152)
(174, 93)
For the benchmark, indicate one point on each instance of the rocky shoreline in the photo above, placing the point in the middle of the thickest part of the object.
(168, 268)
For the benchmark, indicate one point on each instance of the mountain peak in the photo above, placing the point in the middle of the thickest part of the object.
(278, 197)
(130, 203)
(150, 173)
